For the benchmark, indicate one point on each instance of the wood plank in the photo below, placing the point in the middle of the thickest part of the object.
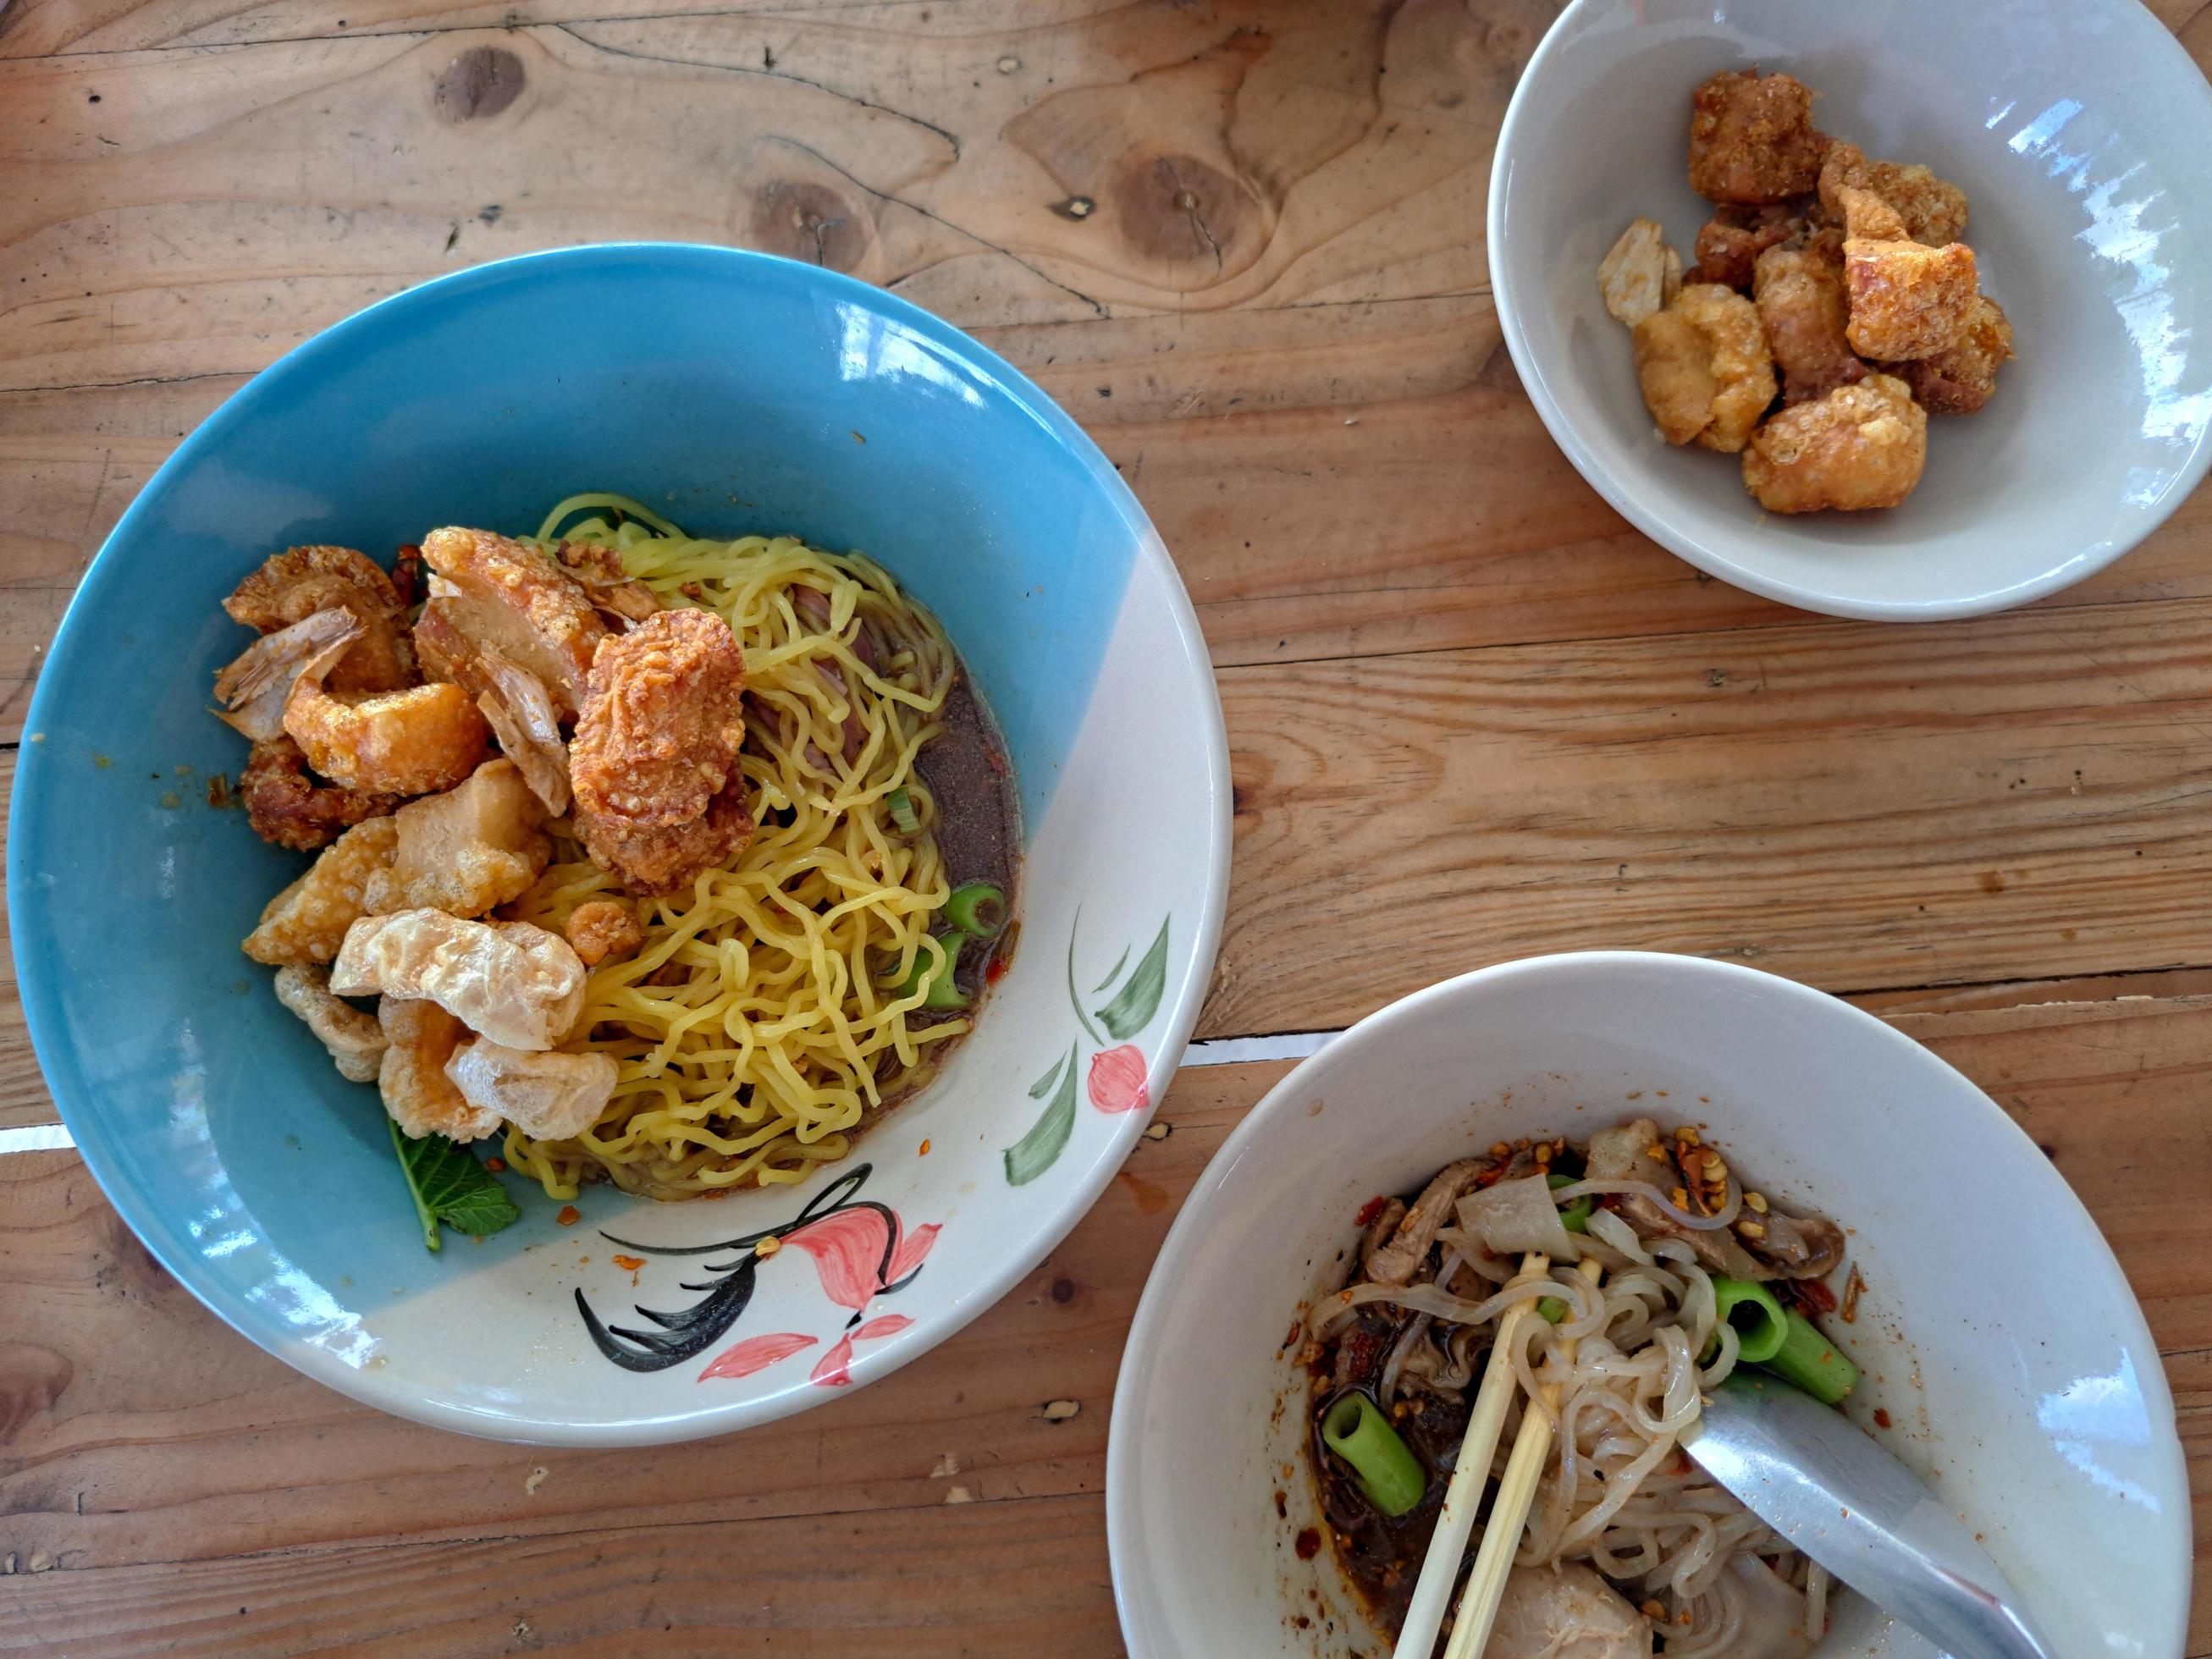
(1860, 808)
(134, 1428)
(375, 158)
(1466, 526)
(56, 27)
(2010, 799)
(23, 1097)
(137, 1431)
(1326, 427)
(1031, 1577)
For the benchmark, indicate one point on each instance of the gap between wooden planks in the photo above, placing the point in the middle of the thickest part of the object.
(1310, 395)
(145, 1445)
(1864, 809)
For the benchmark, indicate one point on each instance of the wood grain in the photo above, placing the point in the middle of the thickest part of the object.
(1321, 419)
(1864, 809)
(1473, 716)
(139, 1437)
(1033, 1576)
(1860, 808)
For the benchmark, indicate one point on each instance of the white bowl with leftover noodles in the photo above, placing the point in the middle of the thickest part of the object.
(774, 890)
(2076, 129)
(2000, 1352)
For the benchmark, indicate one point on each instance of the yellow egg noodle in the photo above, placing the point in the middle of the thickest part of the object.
(754, 1028)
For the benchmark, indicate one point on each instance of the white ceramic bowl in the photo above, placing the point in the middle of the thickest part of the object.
(2078, 130)
(1995, 1327)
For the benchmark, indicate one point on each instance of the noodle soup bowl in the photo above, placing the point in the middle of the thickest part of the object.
(1995, 1332)
(733, 393)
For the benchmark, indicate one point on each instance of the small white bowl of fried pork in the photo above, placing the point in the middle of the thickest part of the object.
(1889, 311)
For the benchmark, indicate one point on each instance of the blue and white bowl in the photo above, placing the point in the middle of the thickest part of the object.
(734, 393)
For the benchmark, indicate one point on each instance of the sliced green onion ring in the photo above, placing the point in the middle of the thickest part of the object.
(903, 813)
(1391, 1476)
(1756, 1312)
(977, 909)
(1575, 1217)
(1812, 1362)
(937, 984)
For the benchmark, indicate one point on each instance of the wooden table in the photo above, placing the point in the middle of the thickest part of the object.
(1474, 717)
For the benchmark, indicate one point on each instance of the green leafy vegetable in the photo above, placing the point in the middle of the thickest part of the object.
(449, 1185)
(1139, 999)
(1033, 1154)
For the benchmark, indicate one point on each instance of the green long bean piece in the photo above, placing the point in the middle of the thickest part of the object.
(1812, 1362)
(1391, 1476)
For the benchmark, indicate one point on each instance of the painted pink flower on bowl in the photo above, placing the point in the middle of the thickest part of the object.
(862, 1251)
(1117, 1080)
(834, 1369)
(756, 1353)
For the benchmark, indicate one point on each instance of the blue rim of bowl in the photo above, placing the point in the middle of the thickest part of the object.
(1197, 1208)
(2078, 568)
(41, 991)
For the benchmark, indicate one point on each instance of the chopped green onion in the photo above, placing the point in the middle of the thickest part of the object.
(903, 814)
(1550, 1309)
(1757, 1315)
(1575, 1217)
(937, 983)
(978, 908)
(1391, 1476)
(1812, 1362)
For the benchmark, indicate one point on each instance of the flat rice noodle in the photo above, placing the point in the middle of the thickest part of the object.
(1515, 1217)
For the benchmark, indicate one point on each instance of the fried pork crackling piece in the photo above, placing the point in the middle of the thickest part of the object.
(1860, 446)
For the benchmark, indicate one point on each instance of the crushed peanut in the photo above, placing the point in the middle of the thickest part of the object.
(768, 1246)
(1681, 1198)
(1499, 1149)
(1687, 1136)
(1756, 1202)
(1751, 1229)
(1652, 1610)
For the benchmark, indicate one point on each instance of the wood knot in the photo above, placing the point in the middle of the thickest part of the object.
(1179, 209)
(479, 83)
(31, 1379)
(812, 223)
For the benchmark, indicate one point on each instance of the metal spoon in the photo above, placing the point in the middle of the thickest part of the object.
(1822, 1482)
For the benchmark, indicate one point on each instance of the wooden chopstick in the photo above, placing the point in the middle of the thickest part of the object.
(1425, 1613)
(1516, 1490)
